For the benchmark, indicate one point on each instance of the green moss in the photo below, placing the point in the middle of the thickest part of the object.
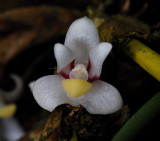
(47, 133)
(132, 23)
(86, 120)
(123, 27)
(156, 35)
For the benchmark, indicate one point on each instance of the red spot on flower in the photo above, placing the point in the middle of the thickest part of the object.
(71, 66)
(92, 79)
(66, 76)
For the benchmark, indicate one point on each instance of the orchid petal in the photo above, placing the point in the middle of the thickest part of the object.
(64, 56)
(81, 37)
(31, 85)
(77, 101)
(76, 87)
(10, 129)
(103, 98)
(97, 56)
(48, 92)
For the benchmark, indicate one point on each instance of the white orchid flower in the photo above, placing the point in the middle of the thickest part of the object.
(10, 129)
(79, 63)
(7, 110)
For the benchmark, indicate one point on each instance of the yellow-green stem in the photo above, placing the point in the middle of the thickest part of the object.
(148, 59)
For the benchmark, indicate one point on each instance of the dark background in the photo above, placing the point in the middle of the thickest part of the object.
(34, 58)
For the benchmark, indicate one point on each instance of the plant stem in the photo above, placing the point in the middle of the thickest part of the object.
(139, 120)
(148, 59)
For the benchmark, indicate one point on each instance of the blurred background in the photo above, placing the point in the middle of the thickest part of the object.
(29, 29)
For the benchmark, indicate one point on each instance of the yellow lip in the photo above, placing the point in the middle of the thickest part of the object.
(7, 111)
(76, 87)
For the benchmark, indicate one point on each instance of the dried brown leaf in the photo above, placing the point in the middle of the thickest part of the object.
(52, 126)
